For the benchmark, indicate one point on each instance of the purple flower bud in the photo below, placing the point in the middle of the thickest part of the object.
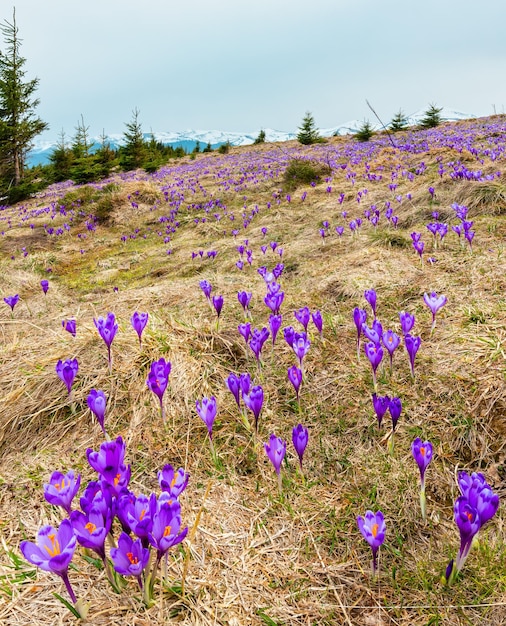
(44, 285)
(254, 401)
(300, 437)
(207, 412)
(96, 401)
(130, 557)
(244, 298)
(173, 482)
(275, 322)
(395, 408)
(139, 321)
(276, 450)
(245, 331)
(407, 321)
(412, 346)
(295, 377)
(370, 296)
(303, 316)
(218, 304)
(380, 405)
(206, 288)
(69, 326)
(300, 345)
(67, 371)
(317, 321)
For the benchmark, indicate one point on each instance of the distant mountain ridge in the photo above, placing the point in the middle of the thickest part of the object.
(188, 139)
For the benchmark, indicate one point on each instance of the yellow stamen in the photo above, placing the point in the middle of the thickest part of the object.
(133, 559)
(374, 530)
(117, 479)
(90, 527)
(55, 546)
(61, 485)
(167, 531)
(141, 516)
(422, 451)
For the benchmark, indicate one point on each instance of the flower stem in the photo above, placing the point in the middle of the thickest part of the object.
(68, 586)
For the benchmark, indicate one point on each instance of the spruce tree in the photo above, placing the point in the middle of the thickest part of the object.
(61, 159)
(432, 117)
(399, 122)
(18, 123)
(261, 137)
(308, 133)
(133, 152)
(365, 132)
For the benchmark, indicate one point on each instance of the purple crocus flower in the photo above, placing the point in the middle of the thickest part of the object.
(274, 300)
(96, 401)
(166, 528)
(300, 438)
(244, 298)
(130, 557)
(317, 321)
(53, 551)
(295, 377)
(245, 331)
(158, 379)
(289, 335)
(11, 301)
(275, 322)
(44, 285)
(395, 409)
(370, 296)
(303, 316)
(139, 321)
(233, 383)
(391, 342)
(374, 353)
(206, 288)
(67, 371)
(109, 459)
(371, 334)
(477, 504)
(359, 317)
(69, 326)
(419, 247)
(218, 304)
(258, 338)
(173, 481)
(380, 405)
(434, 302)
(61, 489)
(373, 529)
(407, 322)
(107, 329)
(422, 453)
(92, 529)
(300, 346)
(412, 346)
(207, 412)
(276, 450)
(254, 401)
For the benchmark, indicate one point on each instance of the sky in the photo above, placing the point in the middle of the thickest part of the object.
(241, 66)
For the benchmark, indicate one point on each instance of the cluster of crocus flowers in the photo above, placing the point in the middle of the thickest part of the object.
(149, 523)
(158, 380)
(107, 329)
(373, 529)
(476, 505)
(422, 453)
(252, 396)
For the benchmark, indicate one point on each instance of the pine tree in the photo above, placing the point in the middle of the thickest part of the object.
(432, 117)
(365, 132)
(133, 153)
(18, 123)
(308, 133)
(399, 122)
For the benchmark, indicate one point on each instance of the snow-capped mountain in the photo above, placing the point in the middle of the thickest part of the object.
(188, 139)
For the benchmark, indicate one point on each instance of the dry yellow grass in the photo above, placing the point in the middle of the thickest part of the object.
(256, 558)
